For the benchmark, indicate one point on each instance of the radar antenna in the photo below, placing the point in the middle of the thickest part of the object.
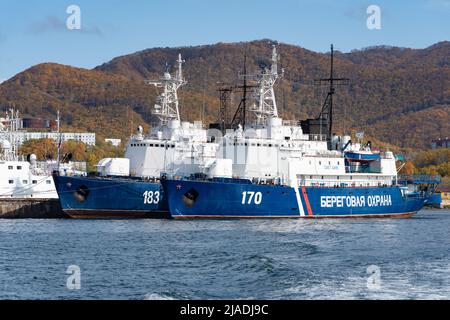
(167, 103)
(266, 106)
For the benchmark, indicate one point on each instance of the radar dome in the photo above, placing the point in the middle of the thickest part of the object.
(32, 158)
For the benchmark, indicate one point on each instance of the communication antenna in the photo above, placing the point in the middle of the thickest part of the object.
(326, 113)
(167, 103)
(58, 126)
(265, 95)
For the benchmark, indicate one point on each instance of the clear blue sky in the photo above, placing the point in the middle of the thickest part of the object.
(33, 31)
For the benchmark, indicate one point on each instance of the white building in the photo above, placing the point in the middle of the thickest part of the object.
(114, 142)
(21, 136)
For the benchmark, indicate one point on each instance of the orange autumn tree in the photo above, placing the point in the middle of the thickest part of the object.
(408, 168)
(43, 148)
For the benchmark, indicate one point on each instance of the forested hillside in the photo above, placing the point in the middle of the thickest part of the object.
(397, 95)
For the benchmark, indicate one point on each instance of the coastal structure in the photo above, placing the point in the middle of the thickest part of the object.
(21, 135)
(27, 189)
(440, 143)
(114, 142)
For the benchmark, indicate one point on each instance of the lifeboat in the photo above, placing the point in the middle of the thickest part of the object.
(361, 156)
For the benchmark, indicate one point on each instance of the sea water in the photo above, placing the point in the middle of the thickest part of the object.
(227, 259)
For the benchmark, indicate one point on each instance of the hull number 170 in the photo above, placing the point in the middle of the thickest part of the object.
(251, 197)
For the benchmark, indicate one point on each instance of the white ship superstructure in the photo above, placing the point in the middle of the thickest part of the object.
(24, 177)
(21, 178)
(274, 150)
(172, 146)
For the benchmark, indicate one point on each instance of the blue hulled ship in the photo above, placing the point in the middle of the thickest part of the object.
(111, 197)
(237, 198)
(287, 169)
(130, 187)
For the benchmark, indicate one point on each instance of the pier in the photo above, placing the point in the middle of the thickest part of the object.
(31, 209)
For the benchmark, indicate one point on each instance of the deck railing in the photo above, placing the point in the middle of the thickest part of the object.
(419, 179)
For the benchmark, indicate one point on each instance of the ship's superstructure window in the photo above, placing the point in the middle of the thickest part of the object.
(10, 167)
(48, 181)
(11, 181)
(19, 167)
(34, 181)
(25, 181)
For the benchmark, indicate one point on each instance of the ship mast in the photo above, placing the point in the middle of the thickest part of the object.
(265, 96)
(326, 114)
(167, 103)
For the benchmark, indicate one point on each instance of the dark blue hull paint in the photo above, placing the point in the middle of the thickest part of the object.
(96, 197)
(208, 199)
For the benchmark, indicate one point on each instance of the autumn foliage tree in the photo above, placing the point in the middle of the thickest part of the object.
(44, 149)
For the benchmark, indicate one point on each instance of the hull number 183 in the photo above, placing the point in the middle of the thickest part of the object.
(151, 197)
(251, 197)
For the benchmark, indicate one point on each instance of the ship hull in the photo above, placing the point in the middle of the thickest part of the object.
(208, 199)
(110, 198)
